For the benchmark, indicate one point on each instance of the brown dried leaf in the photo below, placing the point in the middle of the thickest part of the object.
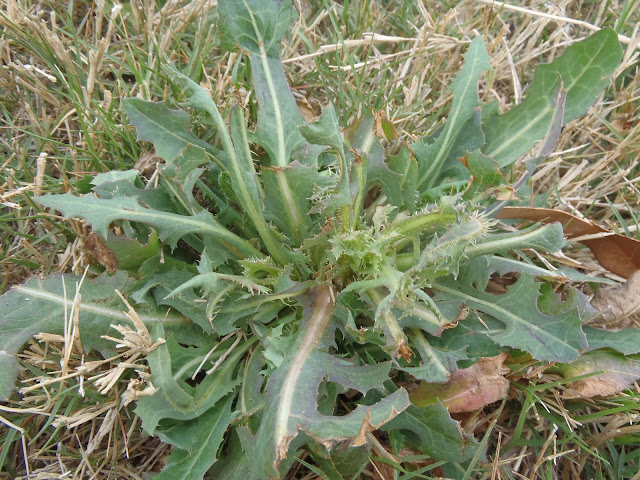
(618, 303)
(94, 247)
(147, 163)
(619, 373)
(617, 253)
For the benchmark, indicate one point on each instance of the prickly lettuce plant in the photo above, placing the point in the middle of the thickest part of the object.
(299, 277)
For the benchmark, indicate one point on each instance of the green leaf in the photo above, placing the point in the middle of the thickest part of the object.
(237, 460)
(478, 271)
(487, 180)
(546, 238)
(99, 213)
(585, 68)
(205, 434)
(155, 198)
(335, 192)
(171, 365)
(431, 157)
(244, 180)
(404, 192)
(472, 139)
(301, 182)
(40, 306)
(436, 364)
(325, 130)
(341, 462)
(550, 334)
(292, 391)
(257, 26)
(168, 130)
(162, 284)
(183, 166)
(378, 173)
(279, 119)
(239, 164)
(129, 176)
(469, 336)
(626, 341)
(434, 432)
(130, 253)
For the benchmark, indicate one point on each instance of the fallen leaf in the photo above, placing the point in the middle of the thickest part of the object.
(147, 163)
(469, 389)
(619, 372)
(617, 253)
(94, 247)
(617, 303)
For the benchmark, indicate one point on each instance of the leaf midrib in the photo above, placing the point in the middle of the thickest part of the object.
(515, 319)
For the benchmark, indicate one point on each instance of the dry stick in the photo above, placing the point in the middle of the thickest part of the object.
(369, 38)
(623, 39)
(24, 442)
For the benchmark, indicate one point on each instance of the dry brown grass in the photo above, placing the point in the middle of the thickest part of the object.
(61, 125)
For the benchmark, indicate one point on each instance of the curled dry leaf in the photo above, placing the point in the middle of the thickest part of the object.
(147, 163)
(617, 303)
(469, 388)
(617, 253)
(94, 247)
(618, 373)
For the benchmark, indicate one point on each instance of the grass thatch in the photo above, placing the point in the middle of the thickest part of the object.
(67, 65)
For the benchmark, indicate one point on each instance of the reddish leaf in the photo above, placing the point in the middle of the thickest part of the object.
(469, 389)
(617, 253)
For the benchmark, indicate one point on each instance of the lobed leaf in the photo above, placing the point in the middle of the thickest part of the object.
(40, 306)
(292, 391)
(239, 164)
(436, 364)
(299, 181)
(433, 431)
(171, 365)
(205, 435)
(553, 336)
(100, 213)
(404, 192)
(169, 130)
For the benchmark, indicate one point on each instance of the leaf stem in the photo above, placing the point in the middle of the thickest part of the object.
(390, 324)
